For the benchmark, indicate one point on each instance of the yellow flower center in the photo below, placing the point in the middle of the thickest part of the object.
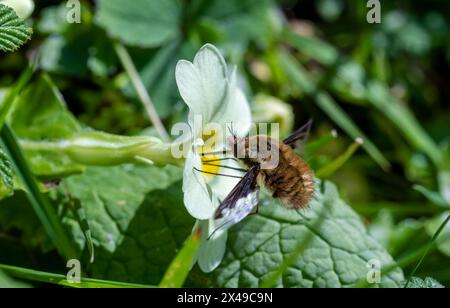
(210, 162)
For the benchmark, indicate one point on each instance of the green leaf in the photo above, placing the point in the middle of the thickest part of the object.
(137, 220)
(8, 282)
(67, 56)
(13, 31)
(140, 22)
(16, 213)
(428, 283)
(336, 257)
(53, 20)
(312, 47)
(40, 115)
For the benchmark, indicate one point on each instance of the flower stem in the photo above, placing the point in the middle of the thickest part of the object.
(139, 86)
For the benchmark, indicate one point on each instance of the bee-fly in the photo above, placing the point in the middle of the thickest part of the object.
(290, 179)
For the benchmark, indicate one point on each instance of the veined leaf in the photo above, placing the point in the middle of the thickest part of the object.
(427, 283)
(13, 31)
(136, 217)
(338, 255)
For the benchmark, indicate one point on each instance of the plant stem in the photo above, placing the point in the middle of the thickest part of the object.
(433, 240)
(139, 86)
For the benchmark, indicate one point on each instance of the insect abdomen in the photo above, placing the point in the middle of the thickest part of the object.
(292, 181)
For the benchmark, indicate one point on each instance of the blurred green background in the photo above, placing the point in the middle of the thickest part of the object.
(387, 83)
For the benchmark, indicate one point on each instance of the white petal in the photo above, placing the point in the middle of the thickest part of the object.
(203, 84)
(236, 109)
(211, 251)
(197, 197)
(189, 84)
(222, 185)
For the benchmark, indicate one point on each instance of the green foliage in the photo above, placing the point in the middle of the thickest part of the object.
(8, 282)
(336, 257)
(39, 202)
(40, 115)
(384, 83)
(180, 267)
(13, 31)
(140, 22)
(136, 217)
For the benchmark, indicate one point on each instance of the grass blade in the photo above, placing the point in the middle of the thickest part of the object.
(338, 115)
(139, 86)
(379, 96)
(300, 77)
(312, 47)
(433, 240)
(331, 168)
(315, 145)
(179, 268)
(58, 279)
(41, 205)
(419, 253)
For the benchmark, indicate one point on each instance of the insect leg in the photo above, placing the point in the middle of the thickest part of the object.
(219, 174)
(219, 159)
(218, 228)
(223, 152)
(257, 210)
(227, 167)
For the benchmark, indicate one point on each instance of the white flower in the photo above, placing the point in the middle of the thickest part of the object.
(214, 100)
(23, 8)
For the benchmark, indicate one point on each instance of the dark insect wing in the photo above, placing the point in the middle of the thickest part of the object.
(299, 135)
(240, 201)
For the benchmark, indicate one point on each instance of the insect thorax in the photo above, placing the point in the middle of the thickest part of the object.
(260, 150)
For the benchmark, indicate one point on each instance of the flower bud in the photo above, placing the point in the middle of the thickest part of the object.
(268, 109)
(97, 148)
(23, 8)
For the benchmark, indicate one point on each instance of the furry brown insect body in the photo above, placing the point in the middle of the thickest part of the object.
(290, 179)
